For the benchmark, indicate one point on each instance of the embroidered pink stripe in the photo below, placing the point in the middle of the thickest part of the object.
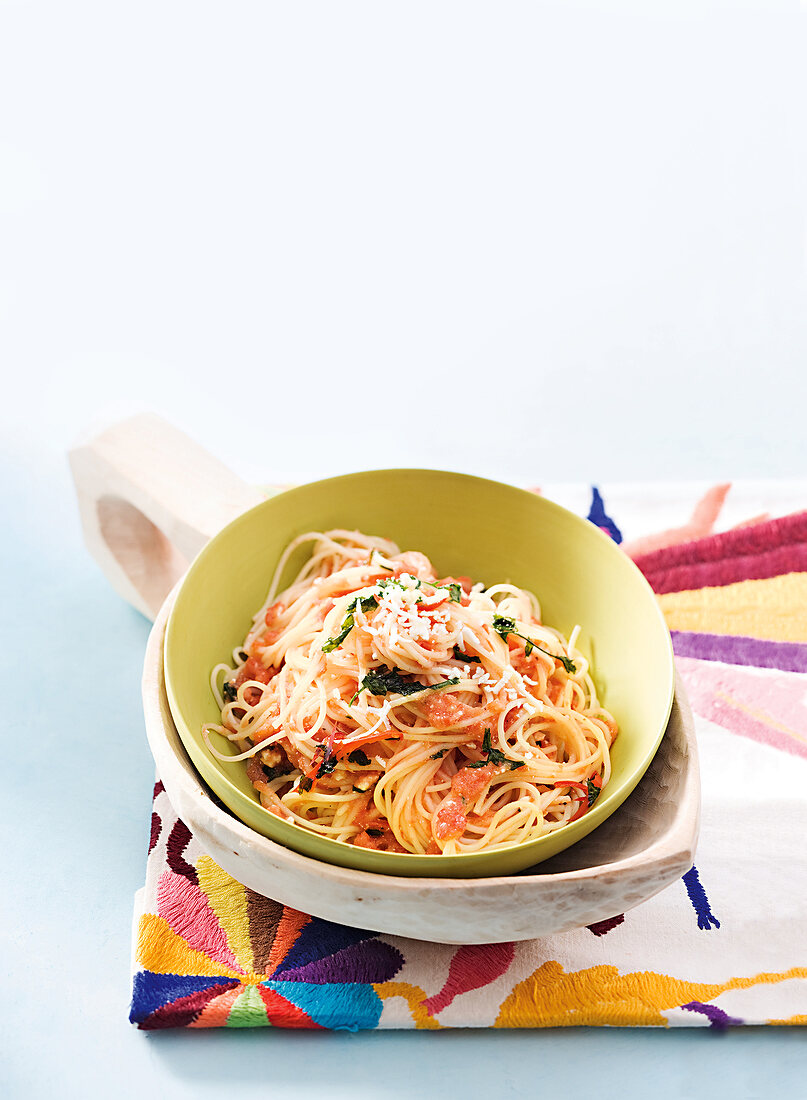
(752, 541)
(748, 567)
(770, 710)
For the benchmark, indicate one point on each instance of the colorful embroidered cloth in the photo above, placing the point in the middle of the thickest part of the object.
(726, 945)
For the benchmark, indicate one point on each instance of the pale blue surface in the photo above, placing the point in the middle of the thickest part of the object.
(75, 817)
(567, 238)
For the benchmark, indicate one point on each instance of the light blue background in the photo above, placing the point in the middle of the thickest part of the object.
(75, 818)
(553, 241)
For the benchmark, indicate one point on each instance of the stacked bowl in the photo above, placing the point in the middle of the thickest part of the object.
(638, 837)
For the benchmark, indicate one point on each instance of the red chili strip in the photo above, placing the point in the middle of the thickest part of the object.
(570, 783)
(583, 807)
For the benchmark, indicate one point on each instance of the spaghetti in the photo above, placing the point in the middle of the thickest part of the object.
(382, 707)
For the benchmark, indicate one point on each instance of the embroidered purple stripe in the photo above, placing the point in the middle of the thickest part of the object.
(716, 1016)
(700, 902)
(734, 649)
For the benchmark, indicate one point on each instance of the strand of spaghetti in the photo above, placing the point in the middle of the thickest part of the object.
(214, 682)
(223, 756)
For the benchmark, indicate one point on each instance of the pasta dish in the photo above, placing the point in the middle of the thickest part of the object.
(380, 706)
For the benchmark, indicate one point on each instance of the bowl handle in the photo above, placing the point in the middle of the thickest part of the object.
(149, 499)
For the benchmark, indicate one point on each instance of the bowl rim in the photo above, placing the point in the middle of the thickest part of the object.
(579, 829)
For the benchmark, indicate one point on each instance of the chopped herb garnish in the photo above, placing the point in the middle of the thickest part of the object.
(366, 603)
(277, 771)
(593, 793)
(504, 626)
(374, 832)
(454, 590)
(494, 756)
(229, 691)
(391, 682)
(328, 763)
(306, 784)
(439, 754)
(390, 582)
(460, 656)
(359, 757)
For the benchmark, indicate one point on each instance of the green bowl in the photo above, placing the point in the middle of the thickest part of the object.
(466, 525)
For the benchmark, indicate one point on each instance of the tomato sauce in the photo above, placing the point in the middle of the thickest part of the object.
(611, 726)
(376, 833)
(253, 669)
(273, 613)
(255, 773)
(450, 820)
(470, 782)
(444, 711)
(554, 690)
(531, 666)
(384, 843)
